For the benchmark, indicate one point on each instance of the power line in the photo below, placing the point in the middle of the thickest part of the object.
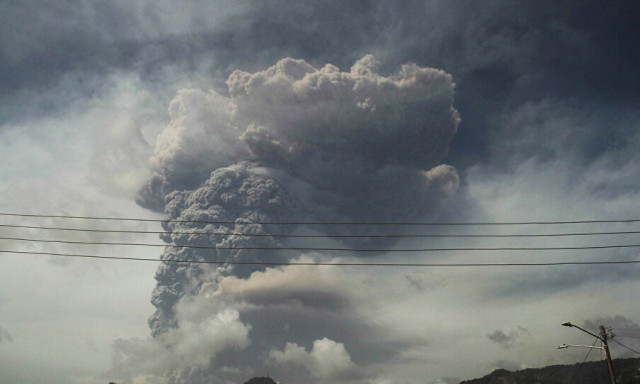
(264, 263)
(627, 329)
(320, 223)
(583, 361)
(248, 234)
(631, 349)
(333, 249)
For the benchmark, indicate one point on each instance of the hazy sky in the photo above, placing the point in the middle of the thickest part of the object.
(460, 111)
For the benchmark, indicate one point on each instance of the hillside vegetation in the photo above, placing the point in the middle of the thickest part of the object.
(596, 372)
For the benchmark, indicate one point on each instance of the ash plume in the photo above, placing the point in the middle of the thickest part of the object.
(292, 143)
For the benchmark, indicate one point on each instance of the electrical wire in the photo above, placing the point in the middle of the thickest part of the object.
(247, 234)
(631, 349)
(320, 223)
(331, 249)
(263, 263)
(575, 374)
(627, 329)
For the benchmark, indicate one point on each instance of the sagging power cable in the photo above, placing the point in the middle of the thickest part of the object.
(249, 234)
(341, 264)
(245, 221)
(329, 249)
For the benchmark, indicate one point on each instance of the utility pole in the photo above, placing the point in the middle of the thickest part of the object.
(605, 345)
(602, 337)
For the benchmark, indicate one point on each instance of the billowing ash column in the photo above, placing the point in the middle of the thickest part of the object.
(294, 143)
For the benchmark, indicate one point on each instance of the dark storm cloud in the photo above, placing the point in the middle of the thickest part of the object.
(500, 52)
(614, 322)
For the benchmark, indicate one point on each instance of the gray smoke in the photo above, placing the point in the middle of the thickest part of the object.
(5, 336)
(507, 340)
(290, 143)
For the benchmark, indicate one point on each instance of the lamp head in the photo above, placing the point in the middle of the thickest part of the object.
(567, 324)
(563, 346)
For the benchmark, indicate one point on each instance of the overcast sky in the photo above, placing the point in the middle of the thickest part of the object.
(455, 111)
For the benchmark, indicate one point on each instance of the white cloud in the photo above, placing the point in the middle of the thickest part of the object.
(198, 139)
(197, 339)
(326, 360)
(308, 286)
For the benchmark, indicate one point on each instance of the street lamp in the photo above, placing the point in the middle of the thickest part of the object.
(563, 346)
(605, 346)
(568, 324)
